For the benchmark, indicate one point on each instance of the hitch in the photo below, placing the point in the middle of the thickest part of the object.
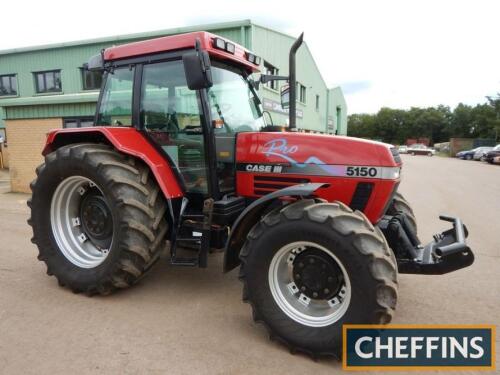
(448, 251)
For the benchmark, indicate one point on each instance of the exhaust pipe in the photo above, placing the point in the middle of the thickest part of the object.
(292, 115)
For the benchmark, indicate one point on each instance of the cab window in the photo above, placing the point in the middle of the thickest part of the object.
(116, 103)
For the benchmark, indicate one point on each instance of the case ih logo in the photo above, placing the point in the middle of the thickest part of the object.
(408, 347)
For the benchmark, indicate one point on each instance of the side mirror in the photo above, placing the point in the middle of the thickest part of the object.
(197, 69)
(285, 96)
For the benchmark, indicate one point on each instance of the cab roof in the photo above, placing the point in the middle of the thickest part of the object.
(179, 42)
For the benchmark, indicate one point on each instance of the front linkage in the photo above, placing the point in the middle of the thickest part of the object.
(448, 251)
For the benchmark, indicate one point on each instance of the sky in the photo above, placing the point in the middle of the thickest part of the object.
(398, 54)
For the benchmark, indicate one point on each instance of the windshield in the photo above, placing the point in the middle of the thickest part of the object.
(233, 103)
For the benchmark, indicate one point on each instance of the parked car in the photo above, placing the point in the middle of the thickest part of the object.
(403, 149)
(481, 152)
(469, 154)
(492, 154)
(420, 149)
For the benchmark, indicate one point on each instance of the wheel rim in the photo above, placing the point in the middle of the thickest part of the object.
(316, 294)
(81, 222)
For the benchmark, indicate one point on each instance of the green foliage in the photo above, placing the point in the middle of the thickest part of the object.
(436, 123)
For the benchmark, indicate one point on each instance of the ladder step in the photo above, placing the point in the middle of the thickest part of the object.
(192, 216)
(189, 240)
(185, 262)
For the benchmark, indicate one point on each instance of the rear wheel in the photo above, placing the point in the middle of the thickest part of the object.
(309, 268)
(468, 157)
(97, 218)
(400, 204)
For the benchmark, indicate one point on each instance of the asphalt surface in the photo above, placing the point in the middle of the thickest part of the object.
(183, 320)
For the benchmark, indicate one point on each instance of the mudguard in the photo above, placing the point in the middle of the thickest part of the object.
(253, 213)
(127, 140)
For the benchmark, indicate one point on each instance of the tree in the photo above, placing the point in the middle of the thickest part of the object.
(436, 123)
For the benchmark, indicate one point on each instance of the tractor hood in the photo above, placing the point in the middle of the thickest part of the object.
(300, 149)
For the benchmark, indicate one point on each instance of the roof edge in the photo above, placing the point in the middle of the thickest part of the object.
(128, 37)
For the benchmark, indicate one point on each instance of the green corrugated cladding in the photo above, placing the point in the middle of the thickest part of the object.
(272, 46)
(45, 111)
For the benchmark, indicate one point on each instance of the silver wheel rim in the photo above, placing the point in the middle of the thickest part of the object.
(66, 224)
(296, 305)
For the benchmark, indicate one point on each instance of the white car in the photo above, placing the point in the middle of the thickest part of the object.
(420, 149)
(403, 149)
(481, 152)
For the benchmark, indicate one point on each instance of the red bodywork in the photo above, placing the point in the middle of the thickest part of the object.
(130, 142)
(179, 42)
(317, 158)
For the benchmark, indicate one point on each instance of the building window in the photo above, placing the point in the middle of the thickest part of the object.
(271, 70)
(79, 122)
(301, 91)
(317, 102)
(91, 79)
(8, 85)
(49, 81)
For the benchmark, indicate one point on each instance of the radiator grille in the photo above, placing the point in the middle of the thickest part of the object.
(263, 185)
(361, 196)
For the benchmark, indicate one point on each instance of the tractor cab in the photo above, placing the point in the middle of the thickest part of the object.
(195, 129)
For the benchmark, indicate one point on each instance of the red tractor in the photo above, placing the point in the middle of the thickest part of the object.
(181, 158)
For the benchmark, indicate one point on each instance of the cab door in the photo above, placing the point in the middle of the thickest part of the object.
(171, 115)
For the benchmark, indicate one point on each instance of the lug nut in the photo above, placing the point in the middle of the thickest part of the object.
(330, 279)
(326, 291)
(302, 288)
(297, 276)
(301, 264)
(311, 260)
(315, 294)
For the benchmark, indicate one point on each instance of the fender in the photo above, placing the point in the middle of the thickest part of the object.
(252, 214)
(126, 140)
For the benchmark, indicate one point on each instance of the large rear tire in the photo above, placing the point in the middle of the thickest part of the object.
(97, 217)
(400, 204)
(310, 267)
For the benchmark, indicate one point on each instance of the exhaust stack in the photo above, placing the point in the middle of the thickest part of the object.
(293, 83)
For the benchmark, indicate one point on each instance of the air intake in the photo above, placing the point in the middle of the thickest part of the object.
(361, 196)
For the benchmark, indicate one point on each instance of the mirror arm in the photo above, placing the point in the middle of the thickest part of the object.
(265, 78)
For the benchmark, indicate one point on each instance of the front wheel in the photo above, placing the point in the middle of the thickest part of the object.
(309, 268)
(398, 205)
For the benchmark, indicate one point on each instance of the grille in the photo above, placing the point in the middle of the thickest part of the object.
(361, 196)
(263, 185)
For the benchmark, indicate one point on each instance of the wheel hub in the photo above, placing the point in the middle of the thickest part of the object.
(317, 275)
(96, 218)
(81, 221)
